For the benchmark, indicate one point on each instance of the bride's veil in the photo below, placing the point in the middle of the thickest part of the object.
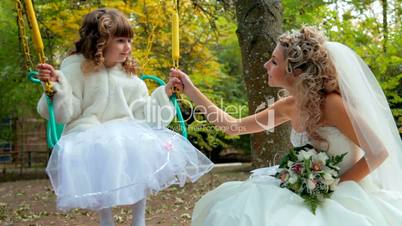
(370, 115)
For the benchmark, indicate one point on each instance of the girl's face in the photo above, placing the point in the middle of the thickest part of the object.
(117, 51)
(277, 76)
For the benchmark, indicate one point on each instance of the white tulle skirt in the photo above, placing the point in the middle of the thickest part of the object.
(260, 201)
(119, 163)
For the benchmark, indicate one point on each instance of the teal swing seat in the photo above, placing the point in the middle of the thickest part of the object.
(54, 129)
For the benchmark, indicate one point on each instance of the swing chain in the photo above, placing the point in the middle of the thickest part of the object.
(24, 41)
(22, 36)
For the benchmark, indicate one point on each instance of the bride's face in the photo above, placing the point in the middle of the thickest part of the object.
(277, 76)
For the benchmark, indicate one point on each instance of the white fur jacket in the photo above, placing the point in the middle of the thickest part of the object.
(82, 101)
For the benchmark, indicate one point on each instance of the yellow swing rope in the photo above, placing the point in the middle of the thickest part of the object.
(175, 40)
(37, 40)
(175, 35)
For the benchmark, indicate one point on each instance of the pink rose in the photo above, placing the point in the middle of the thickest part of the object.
(297, 168)
(316, 167)
(284, 175)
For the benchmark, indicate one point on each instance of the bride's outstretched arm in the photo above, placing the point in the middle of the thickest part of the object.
(267, 119)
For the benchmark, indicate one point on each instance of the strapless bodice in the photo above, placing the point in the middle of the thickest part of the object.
(338, 144)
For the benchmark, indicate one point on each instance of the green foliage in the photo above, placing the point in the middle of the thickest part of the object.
(393, 91)
(337, 159)
(291, 156)
(209, 49)
(18, 97)
(311, 201)
(297, 13)
(59, 22)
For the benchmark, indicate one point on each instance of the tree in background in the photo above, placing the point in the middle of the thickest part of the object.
(259, 26)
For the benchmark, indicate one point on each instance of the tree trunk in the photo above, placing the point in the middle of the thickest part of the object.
(259, 25)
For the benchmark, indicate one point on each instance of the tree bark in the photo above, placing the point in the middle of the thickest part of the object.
(259, 25)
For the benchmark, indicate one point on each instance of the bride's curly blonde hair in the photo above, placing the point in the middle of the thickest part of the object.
(96, 31)
(304, 50)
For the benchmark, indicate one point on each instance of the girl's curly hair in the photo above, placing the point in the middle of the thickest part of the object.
(96, 31)
(304, 49)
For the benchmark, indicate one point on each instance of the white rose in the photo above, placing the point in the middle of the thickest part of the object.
(322, 156)
(303, 155)
(292, 177)
(328, 179)
(300, 156)
(334, 173)
(311, 184)
(330, 171)
(312, 151)
(334, 185)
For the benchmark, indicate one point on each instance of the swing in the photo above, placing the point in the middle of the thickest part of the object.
(54, 130)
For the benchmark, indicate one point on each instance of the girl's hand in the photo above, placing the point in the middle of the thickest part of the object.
(173, 83)
(47, 73)
(188, 85)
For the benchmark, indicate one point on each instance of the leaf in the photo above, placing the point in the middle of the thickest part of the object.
(312, 202)
(335, 160)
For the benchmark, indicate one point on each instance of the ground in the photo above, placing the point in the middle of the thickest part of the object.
(32, 203)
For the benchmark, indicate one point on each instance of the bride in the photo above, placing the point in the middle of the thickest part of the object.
(335, 104)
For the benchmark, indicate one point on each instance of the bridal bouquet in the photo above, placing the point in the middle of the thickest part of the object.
(311, 173)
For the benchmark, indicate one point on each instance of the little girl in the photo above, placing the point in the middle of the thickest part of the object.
(115, 149)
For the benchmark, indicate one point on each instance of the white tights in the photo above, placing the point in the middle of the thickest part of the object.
(106, 215)
(139, 213)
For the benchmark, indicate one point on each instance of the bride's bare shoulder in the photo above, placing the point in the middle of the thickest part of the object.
(333, 104)
(335, 113)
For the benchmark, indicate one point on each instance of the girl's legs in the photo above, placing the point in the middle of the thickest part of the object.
(106, 217)
(139, 213)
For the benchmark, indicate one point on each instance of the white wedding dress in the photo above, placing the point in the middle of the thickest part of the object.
(260, 201)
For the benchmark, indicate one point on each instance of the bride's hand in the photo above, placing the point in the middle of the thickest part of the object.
(185, 79)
